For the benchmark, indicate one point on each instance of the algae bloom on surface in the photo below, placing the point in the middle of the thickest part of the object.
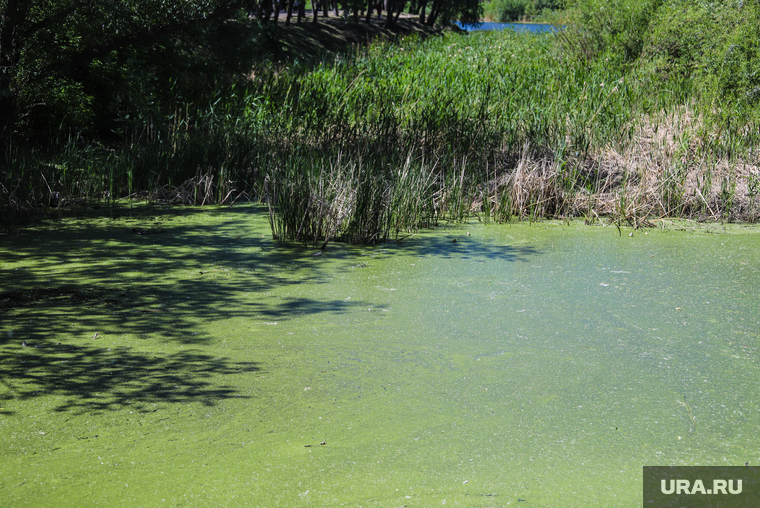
(199, 363)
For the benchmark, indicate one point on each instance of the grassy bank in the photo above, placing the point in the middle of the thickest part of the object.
(404, 133)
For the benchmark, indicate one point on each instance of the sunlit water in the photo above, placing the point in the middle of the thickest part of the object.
(538, 364)
(518, 27)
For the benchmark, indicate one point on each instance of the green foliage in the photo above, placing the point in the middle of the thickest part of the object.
(74, 66)
(734, 66)
(714, 44)
(515, 10)
(613, 29)
(510, 10)
(681, 34)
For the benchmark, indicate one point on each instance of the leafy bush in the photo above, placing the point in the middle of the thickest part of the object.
(511, 10)
(733, 68)
(507, 11)
(613, 29)
(680, 35)
(716, 45)
(540, 7)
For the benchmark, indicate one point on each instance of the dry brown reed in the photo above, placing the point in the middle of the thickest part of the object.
(667, 169)
(199, 190)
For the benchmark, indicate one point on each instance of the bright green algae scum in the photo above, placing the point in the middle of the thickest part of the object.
(189, 360)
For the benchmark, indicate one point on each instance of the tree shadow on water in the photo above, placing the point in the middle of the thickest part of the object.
(451, 246)
(74, 294)
(96, 379)
(72, 288)
(153, 276)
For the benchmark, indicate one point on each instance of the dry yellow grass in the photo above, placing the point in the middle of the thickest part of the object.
(662, 172)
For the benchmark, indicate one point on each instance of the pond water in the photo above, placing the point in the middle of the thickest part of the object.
(189, 360)
(518, 27)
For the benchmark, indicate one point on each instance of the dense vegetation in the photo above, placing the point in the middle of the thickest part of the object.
(519, 10)
(635, 111)
(99, 67)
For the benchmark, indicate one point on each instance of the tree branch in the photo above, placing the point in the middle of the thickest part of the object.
(56, 18)
(87, 55)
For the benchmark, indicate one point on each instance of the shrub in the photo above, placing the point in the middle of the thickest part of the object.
(507, 11)
(615, 29)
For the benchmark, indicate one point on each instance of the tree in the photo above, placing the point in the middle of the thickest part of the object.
(49, 49)
(394, 9)
(446, 11)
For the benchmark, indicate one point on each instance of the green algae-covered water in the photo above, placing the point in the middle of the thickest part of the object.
(183, 358)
